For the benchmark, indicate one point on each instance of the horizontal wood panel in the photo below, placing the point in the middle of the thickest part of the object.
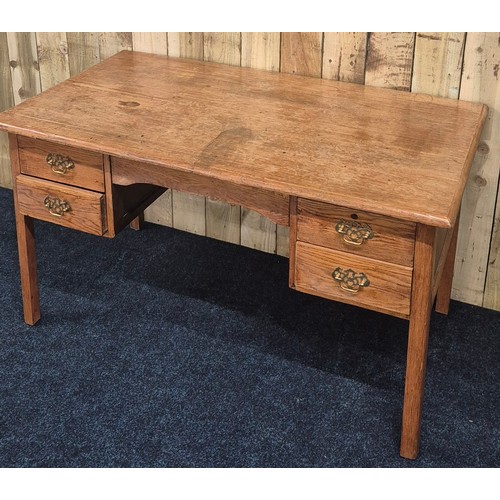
(390, 284)
(294, 135)
(392, 240)
(88, 165)
(87, 212)
(274, 206)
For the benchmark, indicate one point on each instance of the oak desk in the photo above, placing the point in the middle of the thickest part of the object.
(369, 180)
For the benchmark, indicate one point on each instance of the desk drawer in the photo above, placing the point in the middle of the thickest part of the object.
(356, 232)
(372, 284)
(64, 164)
(63, 205)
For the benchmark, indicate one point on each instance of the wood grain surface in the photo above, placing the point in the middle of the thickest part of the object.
(24, 66)
(392, 241)
(83, 51)
(108, 184)
(437, 64)
(388, 292)
(111, 43)
(344, 57)
(88, 212)
(238, 124)
(301, 53)
(53, 59)
(443, 277)
(25, 232)
(153, 43)
(418, 338)
(389, 60)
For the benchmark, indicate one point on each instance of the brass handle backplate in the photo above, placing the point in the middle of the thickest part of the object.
(350, 280)
(60, 164)
(355, 233)
(56, 207)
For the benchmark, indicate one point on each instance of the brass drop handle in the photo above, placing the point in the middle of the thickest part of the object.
(355, 233)
(60, 164)
(350, 280)
(56, 206)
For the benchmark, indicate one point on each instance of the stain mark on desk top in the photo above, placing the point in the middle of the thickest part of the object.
(224, 145)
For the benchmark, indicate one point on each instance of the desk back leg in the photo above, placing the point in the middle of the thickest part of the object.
(26, 247)
(443, 294)
(137, 223)
(418, 336)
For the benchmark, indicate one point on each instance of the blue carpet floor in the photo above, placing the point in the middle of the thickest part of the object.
(163, 349)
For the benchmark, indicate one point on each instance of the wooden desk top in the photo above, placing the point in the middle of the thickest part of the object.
(394, 153)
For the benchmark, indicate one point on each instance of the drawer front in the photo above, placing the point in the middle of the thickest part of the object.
(356, 232)
(61, 163)
(63, 205)
(372, 284)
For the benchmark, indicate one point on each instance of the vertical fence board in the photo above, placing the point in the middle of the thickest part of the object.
(389, 60)
(261, 51)
(25, 72)
(112, 43)
(301, 53)
(223, 219)
(188, 210)
(52, 58)
(480, 82)
(83, 51)
(222, 48)
(153, 43)
(160, 212)
(187, 44)
(6, 96)
(492, 291)
(282, 240)
(437, 64)
(6, 101)
(344, 57)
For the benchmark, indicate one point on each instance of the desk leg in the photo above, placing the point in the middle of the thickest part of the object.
(420, 311)
(444, 291)
(26, 248)
(136, 224)
(27, 265)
